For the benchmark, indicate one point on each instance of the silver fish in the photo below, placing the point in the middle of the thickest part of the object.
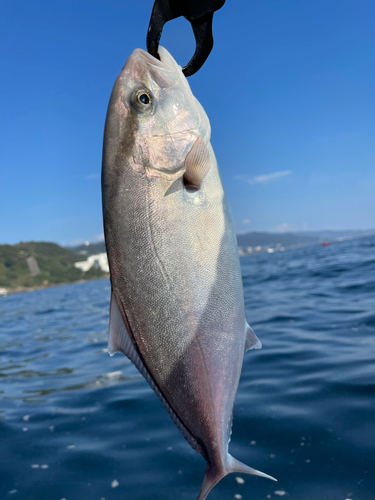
(177, 307)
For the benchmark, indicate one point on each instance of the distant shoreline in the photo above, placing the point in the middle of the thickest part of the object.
(29, 266)
(10, 291)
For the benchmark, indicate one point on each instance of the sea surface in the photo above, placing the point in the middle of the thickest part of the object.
(77, 424)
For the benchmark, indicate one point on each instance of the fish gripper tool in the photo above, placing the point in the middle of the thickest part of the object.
(200, 15)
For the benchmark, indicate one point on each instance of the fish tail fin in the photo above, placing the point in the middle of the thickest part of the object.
(237, 466)
(214, 474)
(212, 477)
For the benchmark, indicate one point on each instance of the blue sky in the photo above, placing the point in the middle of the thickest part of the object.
(288, 89)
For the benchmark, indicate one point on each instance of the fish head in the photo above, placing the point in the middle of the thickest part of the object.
(158, 119)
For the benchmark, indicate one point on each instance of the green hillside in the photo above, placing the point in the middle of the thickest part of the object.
(34, 264)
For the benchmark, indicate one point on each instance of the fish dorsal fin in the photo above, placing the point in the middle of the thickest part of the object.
(252, 341)
(197, 164)
(119, 340)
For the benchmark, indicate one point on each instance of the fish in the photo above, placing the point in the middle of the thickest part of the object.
(177, 305)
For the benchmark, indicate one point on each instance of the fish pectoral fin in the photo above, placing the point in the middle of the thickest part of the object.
(120, 340)
(252, 341)
(197, 164)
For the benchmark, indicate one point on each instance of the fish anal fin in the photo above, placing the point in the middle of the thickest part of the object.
(120, 340)
(118, 336)
(252, 341)
(197, 164)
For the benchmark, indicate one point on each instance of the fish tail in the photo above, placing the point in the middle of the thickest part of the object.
(214, 474)
(212, 477)
(237, 466)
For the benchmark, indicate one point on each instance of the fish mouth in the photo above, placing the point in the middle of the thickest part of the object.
(165, 72)
(147, 58)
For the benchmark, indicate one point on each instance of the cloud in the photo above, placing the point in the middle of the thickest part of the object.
(77, 242)
(263, 179)
(246, 221)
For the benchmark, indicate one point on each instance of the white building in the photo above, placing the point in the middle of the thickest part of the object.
(99, 260)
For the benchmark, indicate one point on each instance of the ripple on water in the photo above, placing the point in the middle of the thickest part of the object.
(74, 421)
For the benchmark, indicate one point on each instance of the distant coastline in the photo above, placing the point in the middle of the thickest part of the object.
(34, 265)
(29, 266)
(41, 287)
(258, 242)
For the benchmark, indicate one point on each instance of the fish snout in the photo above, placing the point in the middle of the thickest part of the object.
(144, 68)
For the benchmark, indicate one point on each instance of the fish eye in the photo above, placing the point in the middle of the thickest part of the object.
(142, 99)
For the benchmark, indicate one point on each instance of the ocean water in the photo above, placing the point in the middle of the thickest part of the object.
(76, 424)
